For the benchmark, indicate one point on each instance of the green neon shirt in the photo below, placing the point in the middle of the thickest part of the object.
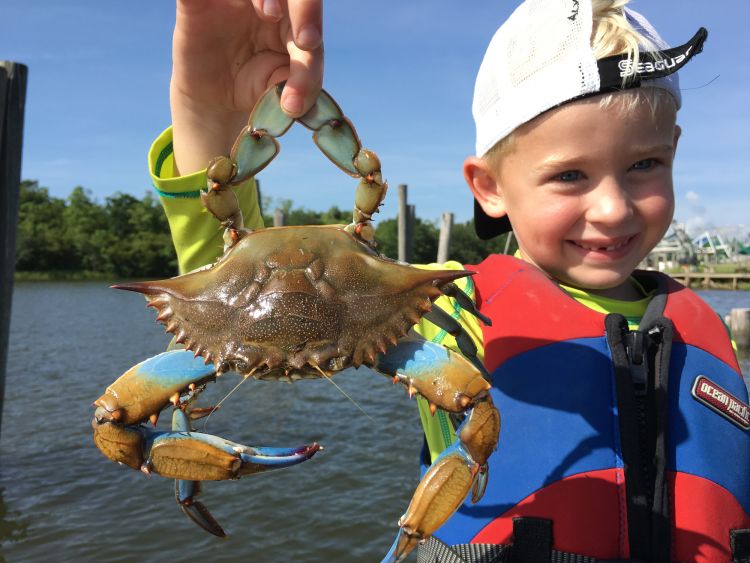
(196, 234)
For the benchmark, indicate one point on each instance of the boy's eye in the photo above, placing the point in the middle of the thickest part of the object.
(569, 176)
(644, 164)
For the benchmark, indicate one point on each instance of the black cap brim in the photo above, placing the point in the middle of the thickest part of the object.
(488, 227)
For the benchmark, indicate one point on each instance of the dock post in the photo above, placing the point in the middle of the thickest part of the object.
(444, 241)
(279, 217)
(12, 103)
(739, 325)
(411, 225)
(403, 221)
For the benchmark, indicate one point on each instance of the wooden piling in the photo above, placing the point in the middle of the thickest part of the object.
(403, 221)
(411, 214)
(739, 325)
(445, 237)
(13, 77)
(279, 217)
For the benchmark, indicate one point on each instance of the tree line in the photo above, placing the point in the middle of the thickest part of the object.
(125, 237)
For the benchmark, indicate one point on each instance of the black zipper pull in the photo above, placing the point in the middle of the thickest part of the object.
(635, 345)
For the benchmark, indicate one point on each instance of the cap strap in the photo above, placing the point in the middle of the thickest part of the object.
(618, 72)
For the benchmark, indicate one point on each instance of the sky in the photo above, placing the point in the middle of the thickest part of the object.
(403, 71)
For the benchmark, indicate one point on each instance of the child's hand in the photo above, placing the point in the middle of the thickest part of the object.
(226, 53)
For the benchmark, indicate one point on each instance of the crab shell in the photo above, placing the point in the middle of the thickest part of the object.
(293, 302)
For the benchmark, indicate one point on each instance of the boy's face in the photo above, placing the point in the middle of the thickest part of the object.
(588, 190)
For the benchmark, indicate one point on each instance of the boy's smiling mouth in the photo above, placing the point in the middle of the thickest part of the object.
(610, 247)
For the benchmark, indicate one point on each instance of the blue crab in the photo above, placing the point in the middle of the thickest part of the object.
(298, 302)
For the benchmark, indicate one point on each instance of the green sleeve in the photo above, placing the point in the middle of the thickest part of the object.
(438, 429)
(196, 234)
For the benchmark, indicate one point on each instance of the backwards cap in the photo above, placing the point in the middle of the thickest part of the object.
(541, 57)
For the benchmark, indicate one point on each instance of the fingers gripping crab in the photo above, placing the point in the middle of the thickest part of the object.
(298, 302)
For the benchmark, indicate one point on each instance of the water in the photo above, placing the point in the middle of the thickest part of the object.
(61, 499)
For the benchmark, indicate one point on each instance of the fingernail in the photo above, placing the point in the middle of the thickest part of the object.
(292, 104)
(272, 8)
(308, 37)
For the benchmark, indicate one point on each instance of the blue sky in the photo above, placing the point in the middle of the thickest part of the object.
(402, 71)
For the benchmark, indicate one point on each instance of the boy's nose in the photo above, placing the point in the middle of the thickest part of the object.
(609, 203)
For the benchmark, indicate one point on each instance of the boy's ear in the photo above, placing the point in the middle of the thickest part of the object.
(482, 183)
(677, 133)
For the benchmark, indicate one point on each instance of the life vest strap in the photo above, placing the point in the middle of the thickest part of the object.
(532, 541)
(739, 541)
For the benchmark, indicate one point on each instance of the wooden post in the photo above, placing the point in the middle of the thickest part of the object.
(278, 217)
(739, 324)
(403, 220)
(444, 241)
(12, 102)
(412, 219)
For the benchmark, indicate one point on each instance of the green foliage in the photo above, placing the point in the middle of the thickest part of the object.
(129, 237)
(425, 238)
(41, 242)
(303, 216)
(125, 237)
(465, 246)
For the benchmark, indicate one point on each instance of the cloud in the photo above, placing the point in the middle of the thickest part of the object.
(692, 197)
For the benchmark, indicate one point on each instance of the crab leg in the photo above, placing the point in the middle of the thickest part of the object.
(256, 146)
(451, 382)
(142, 392)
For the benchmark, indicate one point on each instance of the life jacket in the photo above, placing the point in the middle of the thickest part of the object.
(615, 444)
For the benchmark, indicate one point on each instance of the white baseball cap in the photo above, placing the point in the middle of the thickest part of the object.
(541, 57)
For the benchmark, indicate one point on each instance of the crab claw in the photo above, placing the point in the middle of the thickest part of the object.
(140, 394)
(146, 388)
(122, 444)
(195, 456)
(185, 492)
(251, 460)
(448, 381)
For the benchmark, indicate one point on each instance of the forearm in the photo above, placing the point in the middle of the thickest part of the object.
(200, 134)
(196, 234)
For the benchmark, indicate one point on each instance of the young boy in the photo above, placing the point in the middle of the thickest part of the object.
(625, 418)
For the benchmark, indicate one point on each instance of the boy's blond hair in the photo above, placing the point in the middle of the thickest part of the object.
(612, 34)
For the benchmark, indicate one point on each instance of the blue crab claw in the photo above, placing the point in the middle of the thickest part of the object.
(195, 456)
(140, 394)
(185, 492)
(251, 460)
(448, 381)
(145, 389)
(435, 500)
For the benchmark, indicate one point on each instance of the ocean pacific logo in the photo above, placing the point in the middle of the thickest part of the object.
(721, 401)
(648, 67)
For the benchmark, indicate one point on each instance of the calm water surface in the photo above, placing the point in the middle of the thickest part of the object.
(60, 499)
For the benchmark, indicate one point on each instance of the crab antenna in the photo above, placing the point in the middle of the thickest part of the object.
(225, 397)
(336, 385)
